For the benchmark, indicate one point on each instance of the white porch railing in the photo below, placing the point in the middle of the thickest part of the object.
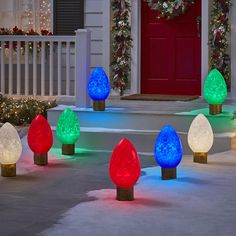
(55, 66)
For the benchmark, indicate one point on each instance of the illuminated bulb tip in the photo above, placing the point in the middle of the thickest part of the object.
(200, 138)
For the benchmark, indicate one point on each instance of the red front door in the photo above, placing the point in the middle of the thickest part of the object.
(171, 53)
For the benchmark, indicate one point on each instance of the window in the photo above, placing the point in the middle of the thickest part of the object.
(68, 16)
(26, 14)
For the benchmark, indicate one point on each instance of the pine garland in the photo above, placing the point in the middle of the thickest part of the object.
(169, 9)
(219, 38)
(122, 44)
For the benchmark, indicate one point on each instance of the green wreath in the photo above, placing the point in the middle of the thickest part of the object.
(169, 9)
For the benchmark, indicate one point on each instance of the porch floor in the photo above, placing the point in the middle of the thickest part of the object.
(163, 107)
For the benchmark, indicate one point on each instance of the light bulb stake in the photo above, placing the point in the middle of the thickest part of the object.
(41, 159)
(168, 173)
(125, 194)
(99, 105)
(215, 109)
(8, 170)
(68, 149)
(200, 157)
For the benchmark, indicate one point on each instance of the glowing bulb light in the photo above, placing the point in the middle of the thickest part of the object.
(68, 131)
(40, 139)
(10, 149)
(124, 169)
(98, 88)
(215, 91)
(168, 152)
(200, 138)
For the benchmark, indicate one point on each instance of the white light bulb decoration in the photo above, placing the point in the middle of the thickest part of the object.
(200, 138)
(10, 149)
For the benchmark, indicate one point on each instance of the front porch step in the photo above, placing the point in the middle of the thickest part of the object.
(143, 118)
(141, 123)
(105, 139)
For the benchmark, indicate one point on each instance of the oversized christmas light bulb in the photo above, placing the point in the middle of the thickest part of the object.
(68, 131)
(124, 169)
(98, 88)
(215, 91)
(168, 152)
(40, 139)
(200, 138)
(10, 149)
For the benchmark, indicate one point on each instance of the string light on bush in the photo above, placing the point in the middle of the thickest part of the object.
(45, 12)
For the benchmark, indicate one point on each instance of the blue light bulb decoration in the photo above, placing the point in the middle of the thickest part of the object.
(168, 151)
(98, 88)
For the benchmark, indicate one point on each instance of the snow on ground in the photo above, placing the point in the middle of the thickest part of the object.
(202, 201)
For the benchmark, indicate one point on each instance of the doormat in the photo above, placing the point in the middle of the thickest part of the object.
(159, 97)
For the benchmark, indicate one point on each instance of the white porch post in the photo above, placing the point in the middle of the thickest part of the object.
(233, 53)
(82, 67)
(135, 51)
(205, 33)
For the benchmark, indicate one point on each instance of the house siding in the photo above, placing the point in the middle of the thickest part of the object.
(97, 20)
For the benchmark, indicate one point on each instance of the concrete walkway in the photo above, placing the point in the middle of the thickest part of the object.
(53, 200)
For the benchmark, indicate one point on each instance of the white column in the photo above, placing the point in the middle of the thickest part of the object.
(233, 53)
(205, 32)
(2, 67)
(10, 86)
(67, 68)
(59, 69)
(34, 68)
(135, 51)
(82, 67)
(106, 36)
(18, 85)
(43, 69)
(26, 68)
(51, 69)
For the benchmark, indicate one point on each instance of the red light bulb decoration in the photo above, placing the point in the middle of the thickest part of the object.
(40, 139)
(124, 169)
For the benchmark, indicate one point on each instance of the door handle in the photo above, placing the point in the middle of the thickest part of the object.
(199, 20)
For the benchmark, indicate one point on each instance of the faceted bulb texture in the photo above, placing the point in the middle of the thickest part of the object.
(215, 89)
(98, 85)
(168, 148)
(68, 128)
(200, 134)
(40, 137)
(10, 144)
(124, 165)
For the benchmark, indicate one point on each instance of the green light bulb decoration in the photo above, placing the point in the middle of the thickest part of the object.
(215, 91)
(68, 131)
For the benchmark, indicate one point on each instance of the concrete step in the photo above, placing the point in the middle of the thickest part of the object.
(105, 139)
(142, 123)
(141, 119)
